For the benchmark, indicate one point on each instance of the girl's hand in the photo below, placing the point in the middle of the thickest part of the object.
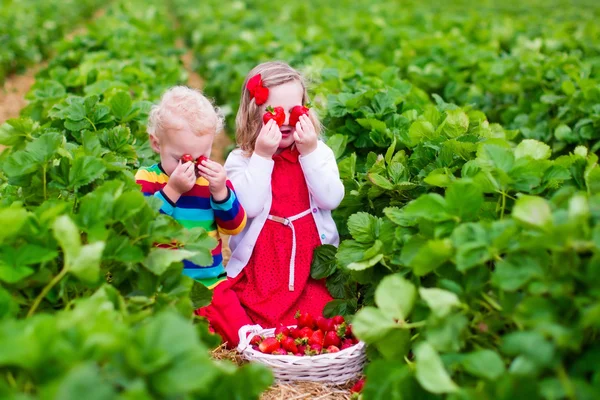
(305, 136)
(215, 174)
(268, 140)
(181, 180)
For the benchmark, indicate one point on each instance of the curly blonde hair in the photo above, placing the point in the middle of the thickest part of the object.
(248, 120)
(183, 104)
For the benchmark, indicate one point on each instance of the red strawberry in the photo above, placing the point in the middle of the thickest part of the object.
(298, 354)
(256, 339)
(358, 386)
(338, 319)
(325, 324)
(200, 159)
(186, 158)
(283, 330)
(295, 333)
(302, 348)
(277, 114)
(347, 343)
(280, 352)
(316, 338)
(289, 344)
(349, 330)
(306, 332)
(255, 348)
(305, 320)
(269, 345)
(296, 113)
(332, 349)
(331, 339)
(316, 348)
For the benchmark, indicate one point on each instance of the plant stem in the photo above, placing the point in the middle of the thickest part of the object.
(90, 121)
(419, 324)
(44, 182)
(503, 204)
(47, 289)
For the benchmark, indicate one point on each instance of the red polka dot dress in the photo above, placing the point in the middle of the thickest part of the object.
(262, 286)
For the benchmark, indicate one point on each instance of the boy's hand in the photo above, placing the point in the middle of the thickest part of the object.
(305, 136)
(268, 140)
(181, 180)
(215, 174)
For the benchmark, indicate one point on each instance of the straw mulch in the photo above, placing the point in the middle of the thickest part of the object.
(294, 391)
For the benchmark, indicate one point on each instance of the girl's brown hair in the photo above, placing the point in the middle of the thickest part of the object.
(248, 121)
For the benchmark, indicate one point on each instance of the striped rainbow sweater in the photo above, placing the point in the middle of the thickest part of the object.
(196, 208)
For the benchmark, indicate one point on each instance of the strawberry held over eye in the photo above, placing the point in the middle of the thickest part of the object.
(296, 113)
(186, 158)
(277, 114)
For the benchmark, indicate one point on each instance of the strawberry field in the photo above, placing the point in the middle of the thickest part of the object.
(467, 137)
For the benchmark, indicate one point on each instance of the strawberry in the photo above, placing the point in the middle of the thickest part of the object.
(358, 386)
(299, 354)
(269, 345)
(316, 338)
(331, 339)
(338, 319)
(255, 347)
(341, 330)
(332, 349)
(277, 114)
(349, 330)
(280, 352)
(347, 343)
(302, 349)
(186, 158)
(283, 330)
(305, 320)
(324, 324)
(295, 333)
(256, 339)
(306, 332)
(200, 159)
(289, 344)
(316, 348)
(297, 112)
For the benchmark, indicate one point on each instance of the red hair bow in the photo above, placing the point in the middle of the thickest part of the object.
(258, 92)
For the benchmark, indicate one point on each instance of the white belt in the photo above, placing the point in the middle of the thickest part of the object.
(289, 222)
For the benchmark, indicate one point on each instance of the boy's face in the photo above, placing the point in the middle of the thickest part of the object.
(178, 140)
(287, 95)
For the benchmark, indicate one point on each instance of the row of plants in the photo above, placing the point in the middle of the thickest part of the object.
(28, 29)
(471, 247)
(532, 66)
(89, 306)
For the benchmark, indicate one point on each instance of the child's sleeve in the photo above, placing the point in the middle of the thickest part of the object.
(150, 187)
(229, 213)
(323, 177)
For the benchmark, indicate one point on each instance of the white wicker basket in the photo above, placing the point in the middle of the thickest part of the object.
(337, 367)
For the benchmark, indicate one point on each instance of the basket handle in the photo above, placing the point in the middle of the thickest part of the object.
(246, 332)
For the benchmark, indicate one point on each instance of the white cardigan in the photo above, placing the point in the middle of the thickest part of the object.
(251, 178)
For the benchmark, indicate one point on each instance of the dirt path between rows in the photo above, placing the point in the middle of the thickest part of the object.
(16, 86)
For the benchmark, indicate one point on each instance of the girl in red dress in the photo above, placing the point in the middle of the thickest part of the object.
(288, 182)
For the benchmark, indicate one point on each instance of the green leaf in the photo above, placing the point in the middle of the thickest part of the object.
(456, 123)
(430, 256)
(485, 364)
(533, 211)
(77, 382)
(363, 227)
(430, 371)
(464, 199)
(532, 345)
(12, 220)
(472, 254)
(534, 149)
(395, 345)
(14, 273)
(497, 156)
(159, 260)
(86, 266)
(514, 271)
(84, 171)
(395, 297)
(371, 324)
(120, 105)
(430, 206)
(439, 301)
(380, 181)
(201, 296)
(390, 380)
(324, 263)
(419, 131)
